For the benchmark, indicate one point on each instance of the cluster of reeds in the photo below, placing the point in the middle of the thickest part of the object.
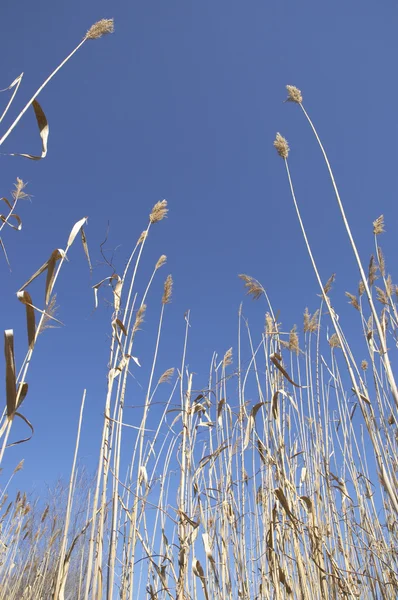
(275, 477)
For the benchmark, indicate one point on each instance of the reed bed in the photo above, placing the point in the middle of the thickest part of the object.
(272, 476)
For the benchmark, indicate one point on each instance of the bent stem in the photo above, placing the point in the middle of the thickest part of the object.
(384, 350)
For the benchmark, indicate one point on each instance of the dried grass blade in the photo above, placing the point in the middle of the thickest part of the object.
(11, 382)
(56, 255)
(6, 221)
(16, 83)
(251, 423)
(60, 253)
(29, 424)
(43, 129)
(85, 248)
(5, 253)
(98, 285)
(21, 393)
(26, 299)
(75, 230)
(275, 358)
(120, 325)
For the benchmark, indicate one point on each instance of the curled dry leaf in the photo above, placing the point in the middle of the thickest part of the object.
(275, 359)
(6, 220)
(29, 424)
(99, 284)
(26, 299)
(85, 248)
(118, 322)
(16, 83)
(43, 129)
(251, 423)
(48, 265)
(21, 393)
(75, 230)
(275, 402)
(11, 382)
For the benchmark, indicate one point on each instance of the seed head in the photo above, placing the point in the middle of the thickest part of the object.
(159, 211)
(168, 287)
(329, 282)
(311, 323)
(353, 300)
(364, 365)
(139, 319)
(18, 193)
(100, 28)
(372, 272)
(281, 145)
(293, 343)
(142, 237)
(227, 360)
(254, 288)
(161, 261)
(269, 324)
(167, 375)
(334, 341)
(378, 225)
(381, 296)
(293, 94)
(19, 467)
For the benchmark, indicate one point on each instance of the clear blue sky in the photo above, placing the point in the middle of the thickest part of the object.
(183, 103)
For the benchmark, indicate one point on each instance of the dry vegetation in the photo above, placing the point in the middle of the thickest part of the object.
(277, 480)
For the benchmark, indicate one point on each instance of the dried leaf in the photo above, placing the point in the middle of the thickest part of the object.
(6, 220)
(16, 83)
(29, 424)
(26, 299)
(99, 284)
(85, 248)
(11, 382)
(5, 253)
(120, 325)
(135, 359)
(43, 129)
(117, 294)
(275, 359)
(21, 393)
(251, 423)
(75, 230)
(275, 402)
(51, 273)
(56, 255)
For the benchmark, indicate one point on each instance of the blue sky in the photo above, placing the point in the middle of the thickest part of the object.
(183, 103)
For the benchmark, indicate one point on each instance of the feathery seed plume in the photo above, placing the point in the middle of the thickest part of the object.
(168, 287)
(353, 300)
(227, 360)
(159, 211)
(253, 286)
(382, 262)
(139, 319)
(281, 145)
(167, 375)
(372, 272)
(100, 28)
(378, 225)
(328, 284)
(161, 261)
(142, 237)
(294, 94)
(334, 341)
